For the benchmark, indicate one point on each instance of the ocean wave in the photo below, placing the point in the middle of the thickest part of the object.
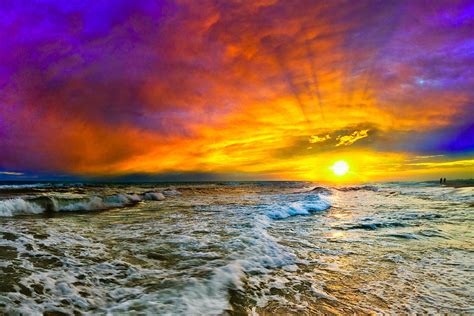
(321, 190)
(299, 208)
(18, 206)
(154, 196)
(359, 188)
(51, 204)
(209, 297)
(402, 236)
(23, 186)
(170, 192)
(374, 226)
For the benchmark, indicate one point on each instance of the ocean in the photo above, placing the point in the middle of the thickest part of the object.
(236, 248)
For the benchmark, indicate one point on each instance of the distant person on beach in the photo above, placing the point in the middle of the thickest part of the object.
(444, 180)
(440, 180)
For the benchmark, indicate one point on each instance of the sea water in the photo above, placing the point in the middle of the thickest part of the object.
(236, 248)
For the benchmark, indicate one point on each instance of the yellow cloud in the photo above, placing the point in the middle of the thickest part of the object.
(456, 163)
(318, 139)
(427, 157)
(352, 138)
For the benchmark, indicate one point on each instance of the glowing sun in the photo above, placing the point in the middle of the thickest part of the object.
(340, 168)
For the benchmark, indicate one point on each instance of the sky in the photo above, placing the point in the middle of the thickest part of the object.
(226, 90)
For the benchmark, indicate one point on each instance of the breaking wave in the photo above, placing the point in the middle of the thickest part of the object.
(49, 204)
(18, 206)
(154, 196)
(359, 188)
(305, 207)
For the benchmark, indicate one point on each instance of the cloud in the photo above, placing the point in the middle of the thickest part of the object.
(11, 173)
(427, 157)
(123, 87)
(346, 140)
(445, 164)
(318, 139)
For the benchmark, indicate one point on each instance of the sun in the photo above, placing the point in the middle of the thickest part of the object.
(340, 168)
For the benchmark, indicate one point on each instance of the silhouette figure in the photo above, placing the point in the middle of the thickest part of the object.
(440, 180)
(444, 180)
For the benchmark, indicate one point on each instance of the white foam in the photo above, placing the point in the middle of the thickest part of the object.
(122, 199)
(18, 206)
(23, 186)
(154, 196)
(211, 297)
(93, 203)
(299, 208)
(171, 192)
(96, 203)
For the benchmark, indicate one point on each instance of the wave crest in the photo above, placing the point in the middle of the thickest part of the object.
(50, 204)
(359, 188)
(299, 208)
(154, 196)
(18, 206)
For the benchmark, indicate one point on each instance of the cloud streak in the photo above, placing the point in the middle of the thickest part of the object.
(11, 173)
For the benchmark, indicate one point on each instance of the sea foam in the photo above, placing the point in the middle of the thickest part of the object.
(299, 208)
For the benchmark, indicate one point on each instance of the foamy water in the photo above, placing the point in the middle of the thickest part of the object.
(249, 248)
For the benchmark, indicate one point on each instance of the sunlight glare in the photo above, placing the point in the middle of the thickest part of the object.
(340, 168)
